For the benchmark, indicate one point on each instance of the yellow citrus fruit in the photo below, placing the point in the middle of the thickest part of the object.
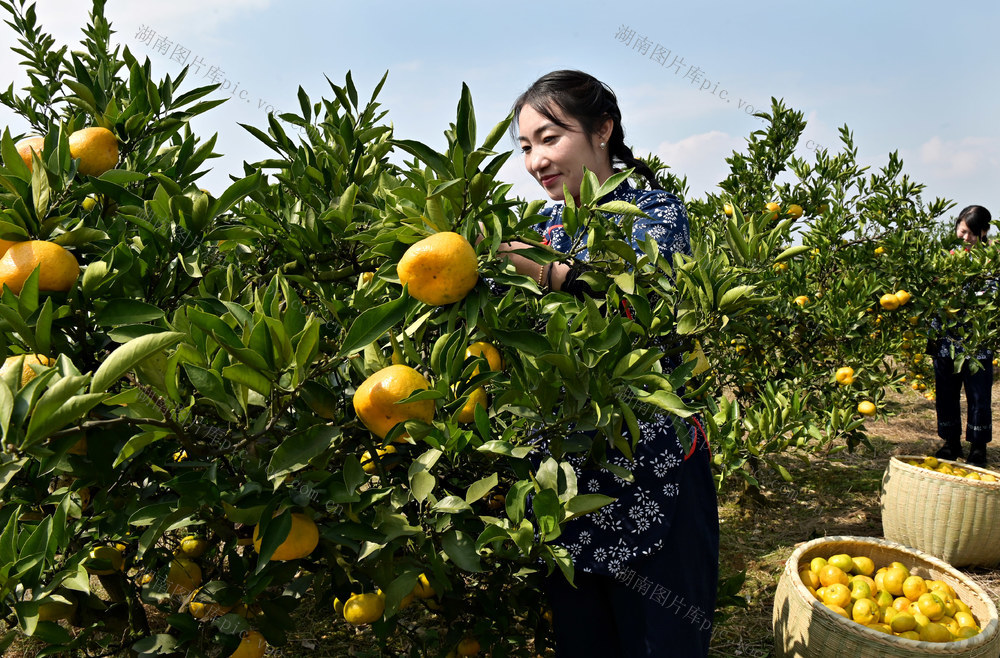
(253, 645)
(58, 268)
(902, 622)
(53, 610)
(865, 611)
(866, 408)
(97, 149)
(816, 564)
(364, 608)
(889, 302)
(193, 546)
(838, 610)
(376, 398)
(469, 646)
(965, 632)
(423, 589)
(368, 464)
(893, 579)
(837, 594)
(903, 297)
(831, 574)
(89, 203)
(845, 375)
(440, 269)
(27, 372)
(772, 207)
(934, 632)
(801, 300)
(728, 209)
(842, 561)
(26, 146)
(931, 605)
(200, 609)
(338, 606)
(965, 619)
(476, 398)
(110, 554)
(879, 251)
(861, 590)
(913, 587)
(484, 349)
(809, 578)
(302, 539)
(794, 211)
(184, 576)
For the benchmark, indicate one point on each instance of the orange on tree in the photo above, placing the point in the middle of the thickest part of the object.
(477, 397)
(302, 539)
(201, 609)
(58, 268)
(845, 375)
(27, 145)
(53, 610)
(903, 297)
(253, 645)
(183, 577)
(27, 372)
(440, 269)
(7, 244)
(423, 589)
(376, 399)
(487, 351)
(112, 555)
(368, 464)
(469, 646)
(97, 149)
(772, 207)
(193, 546)
(364, 608)
(794, 211)
(801, 300)
(728, 209)
(889, 301)
(866, 408)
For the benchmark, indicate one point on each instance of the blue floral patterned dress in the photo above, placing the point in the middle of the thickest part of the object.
(639, 521)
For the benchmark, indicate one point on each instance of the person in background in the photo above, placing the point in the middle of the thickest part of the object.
(646, 566)
(972, 226)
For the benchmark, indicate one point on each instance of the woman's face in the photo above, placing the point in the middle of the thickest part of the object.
(970, 238)
(555, 156)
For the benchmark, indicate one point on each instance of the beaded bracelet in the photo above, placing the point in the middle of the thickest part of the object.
(541, 271)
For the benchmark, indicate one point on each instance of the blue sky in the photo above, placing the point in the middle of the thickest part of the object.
(903, 76)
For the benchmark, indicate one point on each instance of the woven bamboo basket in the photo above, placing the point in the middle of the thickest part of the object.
(805, 628)
(953, 518)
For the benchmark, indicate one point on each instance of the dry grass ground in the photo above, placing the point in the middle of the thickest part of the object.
(837, 496)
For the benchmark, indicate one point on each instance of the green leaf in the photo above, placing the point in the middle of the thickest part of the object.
(127, 311)
(249, 377)
(421, 485)
(506, 449)
(295, 452)
(58, 407)
(125, 357)
(274, 533)
(480, 488)
(548, 513)
(440, 164)
(451, 505)
(792, 252)
(586, 503)
(371, 324)
(235, 192)
(461, 549)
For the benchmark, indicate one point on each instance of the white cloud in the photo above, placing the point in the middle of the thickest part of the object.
(958, 158)
(702, 158)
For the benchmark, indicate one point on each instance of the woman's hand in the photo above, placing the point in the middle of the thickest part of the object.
(550, 275)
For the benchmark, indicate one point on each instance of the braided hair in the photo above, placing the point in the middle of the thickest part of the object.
(583, 97)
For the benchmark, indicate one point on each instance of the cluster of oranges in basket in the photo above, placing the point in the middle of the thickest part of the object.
(948, 468)
(890, 600)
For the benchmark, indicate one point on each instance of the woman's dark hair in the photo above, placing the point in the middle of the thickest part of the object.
(588, 100)
(977, 219)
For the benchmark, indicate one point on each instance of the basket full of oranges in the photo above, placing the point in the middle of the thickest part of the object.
(945, 508)
(861, 596)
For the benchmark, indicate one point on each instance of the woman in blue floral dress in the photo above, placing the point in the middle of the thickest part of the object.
(647, 564)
